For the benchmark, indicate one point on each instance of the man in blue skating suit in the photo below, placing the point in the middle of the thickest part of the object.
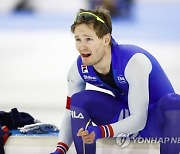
(142, 102)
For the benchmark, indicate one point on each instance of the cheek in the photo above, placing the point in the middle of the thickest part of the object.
(99, 50)
(77, 47)
(94, 47)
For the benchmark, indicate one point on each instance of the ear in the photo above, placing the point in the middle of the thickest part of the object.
(107, 39)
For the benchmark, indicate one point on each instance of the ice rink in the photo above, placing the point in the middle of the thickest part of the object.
(37, 50)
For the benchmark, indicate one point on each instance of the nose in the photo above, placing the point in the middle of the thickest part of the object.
(83, 46)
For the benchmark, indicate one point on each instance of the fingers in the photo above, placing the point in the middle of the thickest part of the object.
(82, 132)
(86, 137)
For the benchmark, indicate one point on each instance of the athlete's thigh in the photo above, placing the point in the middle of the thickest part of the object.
(103, 108)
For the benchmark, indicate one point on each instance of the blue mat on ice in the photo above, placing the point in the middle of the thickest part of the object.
(17, 133)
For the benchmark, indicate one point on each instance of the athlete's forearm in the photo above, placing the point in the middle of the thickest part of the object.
(129, 125)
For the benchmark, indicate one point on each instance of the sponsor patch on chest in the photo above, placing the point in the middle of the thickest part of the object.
(84, 69)
(121, 79)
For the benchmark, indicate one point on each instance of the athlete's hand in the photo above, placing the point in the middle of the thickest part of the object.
(88, 138)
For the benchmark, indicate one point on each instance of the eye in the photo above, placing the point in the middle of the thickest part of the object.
(77, 39)
(89, 39)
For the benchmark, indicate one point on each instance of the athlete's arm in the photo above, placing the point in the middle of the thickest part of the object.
(137, 74)
(75, 84)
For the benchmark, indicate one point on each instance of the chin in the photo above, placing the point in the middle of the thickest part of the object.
(87, 63)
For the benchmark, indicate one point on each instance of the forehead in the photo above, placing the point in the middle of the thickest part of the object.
(84, 29)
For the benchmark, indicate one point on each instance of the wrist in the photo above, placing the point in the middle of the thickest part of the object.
(103, 131)
(96, 130)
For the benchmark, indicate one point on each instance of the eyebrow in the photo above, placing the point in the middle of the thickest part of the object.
(83, 35)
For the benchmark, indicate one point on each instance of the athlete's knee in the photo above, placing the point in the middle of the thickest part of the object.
(170, 101)
(81, 99)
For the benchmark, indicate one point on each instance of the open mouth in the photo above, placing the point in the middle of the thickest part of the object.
(85, 55)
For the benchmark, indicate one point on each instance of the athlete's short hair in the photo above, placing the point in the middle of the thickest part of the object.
(99, 18)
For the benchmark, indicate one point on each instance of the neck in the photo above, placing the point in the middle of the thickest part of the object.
(103, 66)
